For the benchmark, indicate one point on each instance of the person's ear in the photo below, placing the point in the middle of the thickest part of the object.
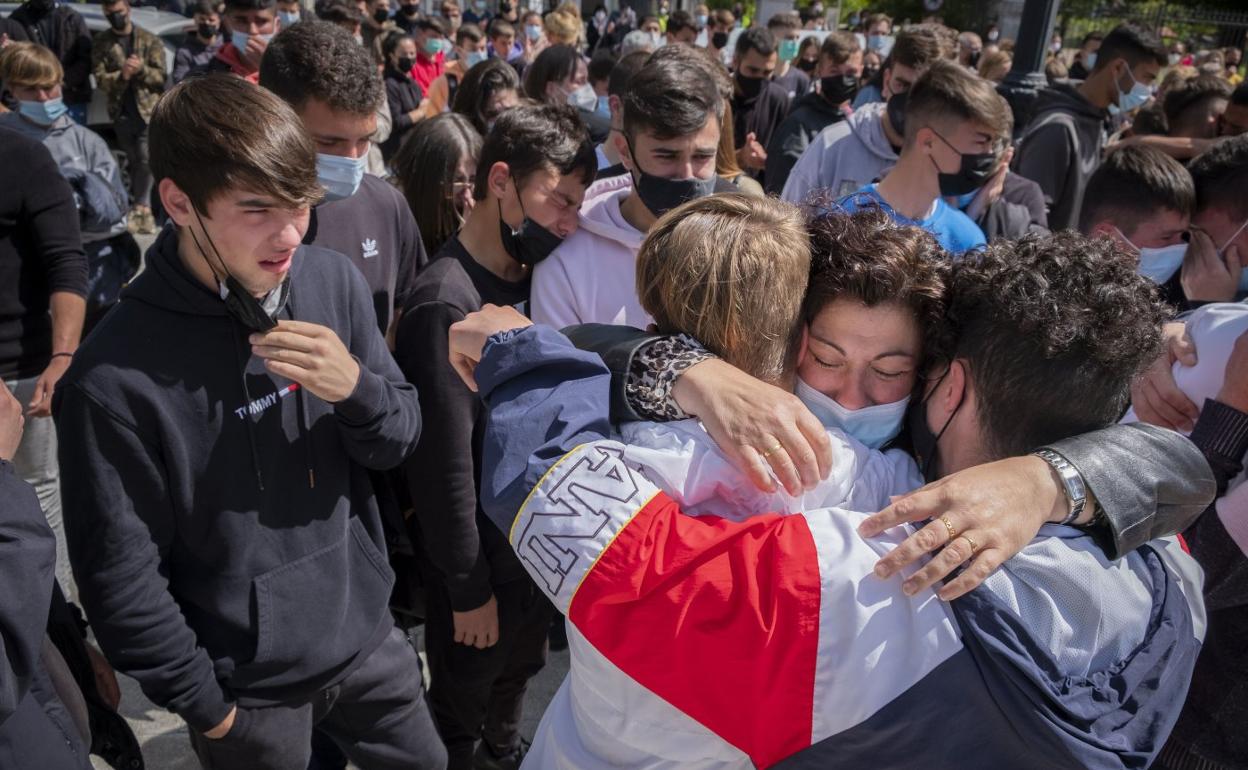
(625, 152)
(945, 396)
(1103, 230)
(616, 106)
(177, 204)
(499, 179)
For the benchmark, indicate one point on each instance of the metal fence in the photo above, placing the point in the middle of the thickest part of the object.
(1212, 26)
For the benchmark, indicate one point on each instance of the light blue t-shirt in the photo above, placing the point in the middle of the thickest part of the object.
(956, 232)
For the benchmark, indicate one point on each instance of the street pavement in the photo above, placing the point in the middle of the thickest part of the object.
(163, 737)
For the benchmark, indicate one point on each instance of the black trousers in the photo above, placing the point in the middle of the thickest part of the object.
(479, 694)
(377, 716)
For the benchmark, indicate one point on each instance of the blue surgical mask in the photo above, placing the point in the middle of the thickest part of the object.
(1089, 61)
(433, 46)
(44, 113)
(1158, 263)
(533, 31)
(788, 50)
(604, 106)
(339, 176)
(874, 426)
(239, 39)
(287, 19)
(1136, 97)
(475, 57)
(879, 43)
(702, 19)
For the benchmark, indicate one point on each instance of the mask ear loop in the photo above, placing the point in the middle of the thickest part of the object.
(203, 253)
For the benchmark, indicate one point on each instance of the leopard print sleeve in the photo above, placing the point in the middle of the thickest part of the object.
(654, 370)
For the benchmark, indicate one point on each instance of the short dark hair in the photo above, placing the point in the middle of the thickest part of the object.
(1132, 185)
(391, 41)
(468, 32)
(681, 20)
(1131, 42)
(1220, 175)
(624, 70)
(868, 257)
(600, 67)
(431, 24)
(534, 138)
(671, 95)
(425, 167)
(1194, 99)
(322, 61)
(915, 48)
(1090, 37)
(483, 81)
(839, 46)
(554, 64)
(339, 12)
(784, 20)
(755, 39)
(204, 8)
(949, 91)
(218, 132)
(500, 26)
(1053, 329)
(249, 5)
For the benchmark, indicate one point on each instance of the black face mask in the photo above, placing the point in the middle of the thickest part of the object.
(239, 302)
(381, 15)
(973, 171)
(869, 73)
(750, 87)
(410, 11)
(406, 63)
(530, 243)
(807, 65)
(117, 19)
(974, 62)
(896, 110)
(207, 31)
(839, 88)
(719, 39)
(660, 194)
(922, 440)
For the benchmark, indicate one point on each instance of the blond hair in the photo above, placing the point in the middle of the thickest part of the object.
(731, 271)
(562, 28)
(30, 65)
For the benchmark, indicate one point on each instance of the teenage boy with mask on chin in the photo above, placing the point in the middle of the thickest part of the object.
(333, 85)
(251, 24)
(486, 622)
(218, 428)
(1063, 144)
(838, 73)
(955, 124)
(759, 106)
(672, 112)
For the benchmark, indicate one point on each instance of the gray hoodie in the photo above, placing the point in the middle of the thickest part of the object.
(844, 157)
(1060, 149)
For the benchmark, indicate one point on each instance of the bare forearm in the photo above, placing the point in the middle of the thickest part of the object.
(68, 310)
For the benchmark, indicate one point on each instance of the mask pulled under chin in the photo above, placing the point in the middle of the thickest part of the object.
(258, 315)
(873, 426)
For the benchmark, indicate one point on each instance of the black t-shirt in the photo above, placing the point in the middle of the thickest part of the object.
(468, 552)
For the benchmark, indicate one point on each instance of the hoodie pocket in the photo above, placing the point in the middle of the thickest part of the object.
(314, 613)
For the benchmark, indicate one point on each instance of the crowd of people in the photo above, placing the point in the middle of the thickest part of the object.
(828, 409)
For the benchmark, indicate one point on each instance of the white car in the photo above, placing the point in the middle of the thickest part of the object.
(171, 28)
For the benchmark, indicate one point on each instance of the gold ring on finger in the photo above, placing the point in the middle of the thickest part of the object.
(973, 544)
(772, 449)
(949, 527)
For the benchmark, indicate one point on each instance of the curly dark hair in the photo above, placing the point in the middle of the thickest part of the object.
(532, 138)
(322, 61)
(867, 256)
(1053, 329)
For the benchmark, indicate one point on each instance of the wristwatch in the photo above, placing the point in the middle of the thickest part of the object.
(1072, 482)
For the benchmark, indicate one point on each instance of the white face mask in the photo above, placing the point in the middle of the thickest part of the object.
(874, 426)
(1158, 263)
